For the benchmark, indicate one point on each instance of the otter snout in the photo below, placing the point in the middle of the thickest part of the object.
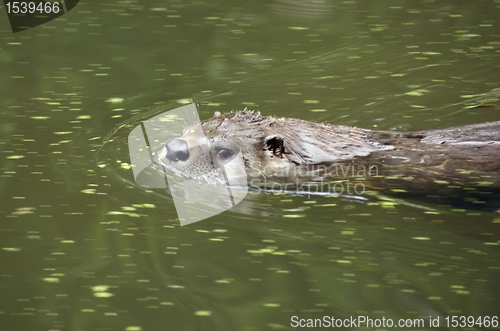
(177, 150)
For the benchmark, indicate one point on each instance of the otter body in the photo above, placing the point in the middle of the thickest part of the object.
(444, 162)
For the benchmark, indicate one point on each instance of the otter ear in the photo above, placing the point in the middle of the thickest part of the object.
(275, 144)
(280, 146)
(304, 150)
(217, 114)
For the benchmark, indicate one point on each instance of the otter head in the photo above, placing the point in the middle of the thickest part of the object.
(265, 147)
(197, 156)
(226, 146)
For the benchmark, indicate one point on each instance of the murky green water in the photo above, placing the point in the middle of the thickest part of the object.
(84, 248)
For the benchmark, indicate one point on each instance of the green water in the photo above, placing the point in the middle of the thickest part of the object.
(84, 248)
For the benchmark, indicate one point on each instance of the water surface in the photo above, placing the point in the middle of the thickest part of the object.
(85, 248)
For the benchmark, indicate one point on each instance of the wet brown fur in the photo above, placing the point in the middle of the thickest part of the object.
(444, 162)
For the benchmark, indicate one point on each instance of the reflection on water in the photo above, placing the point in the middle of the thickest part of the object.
(83, 247)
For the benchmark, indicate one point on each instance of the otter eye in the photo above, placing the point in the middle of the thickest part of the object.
(224, 154)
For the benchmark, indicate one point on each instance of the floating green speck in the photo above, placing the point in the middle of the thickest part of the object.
(112, 213)
(126, 166)
(145, 205)
(388, 204)
(261, 251)
(15, 157)
(457, 286)
(11, 249)
(223, 281)
(52, 280)
(298, 28)
(100, 288)
(414, 93)
(203, 313)
(462, 292)
(115, 100)
(166, 303)
(88, 191)
(398, 190)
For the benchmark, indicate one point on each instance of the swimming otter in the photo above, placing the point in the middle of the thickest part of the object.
(444, 162)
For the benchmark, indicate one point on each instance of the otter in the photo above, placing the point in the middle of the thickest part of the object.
(459, 163)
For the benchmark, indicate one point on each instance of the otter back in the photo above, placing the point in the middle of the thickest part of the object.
(456, 162)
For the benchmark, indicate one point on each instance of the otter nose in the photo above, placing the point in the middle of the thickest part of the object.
(177, 149)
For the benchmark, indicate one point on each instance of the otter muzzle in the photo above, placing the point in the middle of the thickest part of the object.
(177, 150)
